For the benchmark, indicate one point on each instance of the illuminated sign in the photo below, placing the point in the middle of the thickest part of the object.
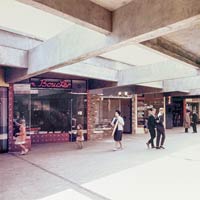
(51, 83)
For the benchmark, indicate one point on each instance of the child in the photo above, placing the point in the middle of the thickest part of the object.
(21, 138)
(79, 138)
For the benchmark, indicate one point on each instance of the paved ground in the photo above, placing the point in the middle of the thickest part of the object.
(60, 171)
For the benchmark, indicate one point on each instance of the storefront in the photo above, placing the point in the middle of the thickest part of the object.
(143, 102)
(101, 112)
(176, 107)
(52, 108)
(106, 110)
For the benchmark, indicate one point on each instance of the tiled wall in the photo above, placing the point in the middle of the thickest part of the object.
(49, 137)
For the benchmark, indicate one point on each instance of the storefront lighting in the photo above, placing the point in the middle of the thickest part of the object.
(119, 93)
(169, 99)
(125, 93)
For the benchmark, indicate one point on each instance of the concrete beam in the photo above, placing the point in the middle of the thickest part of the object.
(107, 63)
(95, 68)
(89, 71)
(16, 41)
(78, 44)
(13, 57)
(155, 72)
(82, 12)
(174, 50)
(182, 84)
(145, 19)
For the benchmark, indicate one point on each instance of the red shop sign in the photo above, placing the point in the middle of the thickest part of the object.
(51, 83)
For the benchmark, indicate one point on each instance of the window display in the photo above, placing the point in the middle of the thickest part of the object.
(50, 110)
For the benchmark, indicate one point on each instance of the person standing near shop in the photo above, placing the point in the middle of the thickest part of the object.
(118, 124)
(187, 121)
(21, 138)
(194, 121)
(160, 129)
(151, 126)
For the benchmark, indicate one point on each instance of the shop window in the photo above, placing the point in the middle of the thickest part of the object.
(51, 111)
(106, 109)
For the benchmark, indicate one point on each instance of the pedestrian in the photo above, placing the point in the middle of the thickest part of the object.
(187, 121)
(79, 137)
(160, 129)
(21, 138)
(146, 125)
(151, 126)
(194, 121)
(118, 124)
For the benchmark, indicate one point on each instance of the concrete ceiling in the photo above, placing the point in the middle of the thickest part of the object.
(188, 39)
(111, 4)
(135, 55)
(75, 27)
(25, 20)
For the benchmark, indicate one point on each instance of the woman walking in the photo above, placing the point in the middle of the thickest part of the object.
(160, 129)
(118, 124)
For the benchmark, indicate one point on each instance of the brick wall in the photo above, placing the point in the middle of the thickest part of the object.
(134, 114)
(91, 113)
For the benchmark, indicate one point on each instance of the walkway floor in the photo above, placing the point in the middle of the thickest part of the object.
(60, 171)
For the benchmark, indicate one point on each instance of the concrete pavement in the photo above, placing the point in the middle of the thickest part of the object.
(60, 171)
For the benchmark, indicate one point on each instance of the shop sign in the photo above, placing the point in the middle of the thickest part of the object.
(51, 83)
(22, 89)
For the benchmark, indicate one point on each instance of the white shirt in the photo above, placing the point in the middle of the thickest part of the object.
(120, 122)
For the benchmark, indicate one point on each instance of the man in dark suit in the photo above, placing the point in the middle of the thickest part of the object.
(194, 121)
(160, 129)
(151, 126)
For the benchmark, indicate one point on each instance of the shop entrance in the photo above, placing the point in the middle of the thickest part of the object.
(106, 108)
(126, 114)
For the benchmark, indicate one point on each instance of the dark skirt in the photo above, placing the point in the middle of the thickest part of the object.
(118, 136)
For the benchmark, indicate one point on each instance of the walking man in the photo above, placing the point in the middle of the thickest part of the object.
(194, 121)
(187, 121)
(151, 127)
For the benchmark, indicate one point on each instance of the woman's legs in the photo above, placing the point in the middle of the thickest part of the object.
(23, 149)
(120, 144)
(79, 144)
